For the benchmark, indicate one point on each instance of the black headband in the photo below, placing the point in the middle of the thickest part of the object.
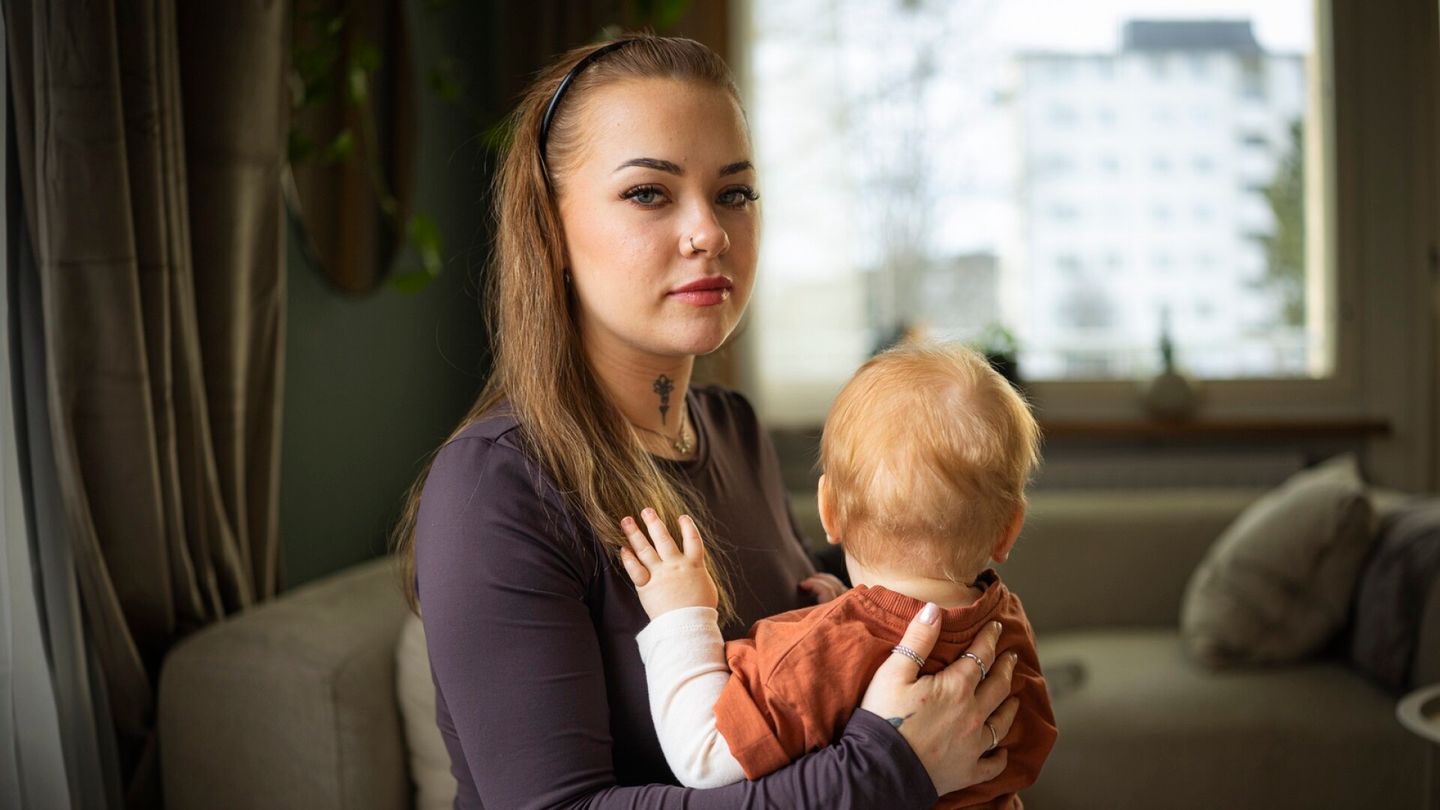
(565, 84)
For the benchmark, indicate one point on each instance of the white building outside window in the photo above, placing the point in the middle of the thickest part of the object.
(1077, 173)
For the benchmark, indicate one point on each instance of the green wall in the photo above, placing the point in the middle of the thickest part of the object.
(374, 383)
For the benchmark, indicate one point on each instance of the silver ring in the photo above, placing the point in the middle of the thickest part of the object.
(984, 670)
(692, 245)
(909, 653)
(994, 738)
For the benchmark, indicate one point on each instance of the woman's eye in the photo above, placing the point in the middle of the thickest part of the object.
(643, 195)
(738, 197)
(653, 196)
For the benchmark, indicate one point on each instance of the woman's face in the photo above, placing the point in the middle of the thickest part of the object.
(661, 224)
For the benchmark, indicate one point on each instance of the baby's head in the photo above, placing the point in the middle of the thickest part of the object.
(926, 454)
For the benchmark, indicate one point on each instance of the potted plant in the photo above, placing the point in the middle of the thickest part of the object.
(1001, 348)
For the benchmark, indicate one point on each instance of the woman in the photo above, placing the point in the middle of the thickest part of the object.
(626, 245)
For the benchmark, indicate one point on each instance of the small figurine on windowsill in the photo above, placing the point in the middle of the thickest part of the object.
(1170, 396)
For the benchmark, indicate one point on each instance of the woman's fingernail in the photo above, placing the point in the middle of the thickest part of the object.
(929, 613)
(995, 628)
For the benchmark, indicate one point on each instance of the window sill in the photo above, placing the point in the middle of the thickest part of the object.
(1246, 429)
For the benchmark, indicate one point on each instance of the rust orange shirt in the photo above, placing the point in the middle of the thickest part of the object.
(799, 675)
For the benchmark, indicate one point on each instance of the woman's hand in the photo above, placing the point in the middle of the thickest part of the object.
(823, 587)
(666, 576)
(944, 717)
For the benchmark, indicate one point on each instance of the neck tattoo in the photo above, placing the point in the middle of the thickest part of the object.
(663, 386)
(683, 443)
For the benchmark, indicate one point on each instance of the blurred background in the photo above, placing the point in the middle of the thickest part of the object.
(245, 243)
(1082, 191)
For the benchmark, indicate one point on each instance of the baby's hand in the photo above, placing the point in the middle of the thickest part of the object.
(823, 587)
(665, 576)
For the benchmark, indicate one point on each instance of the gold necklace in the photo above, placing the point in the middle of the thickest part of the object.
(685, 442)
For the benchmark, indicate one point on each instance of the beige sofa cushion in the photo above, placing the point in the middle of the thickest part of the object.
(1277, 583)
(429, 760)
(1143, 725)
(290, 704)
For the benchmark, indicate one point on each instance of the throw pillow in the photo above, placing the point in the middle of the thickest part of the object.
(1391, 592)
(429, 760)
(1276, 585)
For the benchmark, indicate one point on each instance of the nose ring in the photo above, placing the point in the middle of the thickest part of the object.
(692, 245)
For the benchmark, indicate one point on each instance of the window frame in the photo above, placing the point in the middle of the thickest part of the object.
(1335, 291)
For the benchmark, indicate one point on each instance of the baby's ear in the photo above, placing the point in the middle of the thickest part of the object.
(827, 518)
(1012, 533)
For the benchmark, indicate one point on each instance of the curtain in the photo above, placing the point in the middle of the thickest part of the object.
(149, 137)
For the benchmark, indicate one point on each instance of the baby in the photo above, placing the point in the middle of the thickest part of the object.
(926, 454)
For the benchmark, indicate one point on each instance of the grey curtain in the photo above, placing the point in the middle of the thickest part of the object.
(150, 137)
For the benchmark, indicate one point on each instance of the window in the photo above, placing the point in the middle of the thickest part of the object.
(880, 176)
(1255, 140)
(1252, 78)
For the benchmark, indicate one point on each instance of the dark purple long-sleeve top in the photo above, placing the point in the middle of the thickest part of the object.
(531, 627)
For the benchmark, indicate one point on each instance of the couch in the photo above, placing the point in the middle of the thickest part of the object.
(293, 704)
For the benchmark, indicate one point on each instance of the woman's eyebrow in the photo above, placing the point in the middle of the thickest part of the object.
(673, 168)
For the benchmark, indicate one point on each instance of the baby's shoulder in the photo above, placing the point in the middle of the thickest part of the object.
(808, 632)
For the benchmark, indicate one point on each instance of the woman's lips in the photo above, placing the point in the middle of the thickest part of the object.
(706, 292)
(703, 298)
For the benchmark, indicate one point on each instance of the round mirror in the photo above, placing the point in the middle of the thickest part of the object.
(350, 178)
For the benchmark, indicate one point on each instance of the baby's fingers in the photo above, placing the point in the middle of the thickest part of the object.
(639, 544)
(690, 534)
(659, 535)
(639, 574)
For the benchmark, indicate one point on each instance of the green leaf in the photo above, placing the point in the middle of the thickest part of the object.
(358, 86)
(335, 25)
(410, 281)
(340, 148)
(425, 236)
(669, 12)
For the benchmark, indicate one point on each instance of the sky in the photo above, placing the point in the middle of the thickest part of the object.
(1094, 25)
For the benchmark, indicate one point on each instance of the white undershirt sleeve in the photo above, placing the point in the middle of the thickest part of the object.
(685, 672)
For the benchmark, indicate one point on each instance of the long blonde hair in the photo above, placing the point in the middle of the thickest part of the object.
(568, 422)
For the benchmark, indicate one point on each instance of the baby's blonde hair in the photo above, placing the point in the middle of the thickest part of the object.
(926, 454)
